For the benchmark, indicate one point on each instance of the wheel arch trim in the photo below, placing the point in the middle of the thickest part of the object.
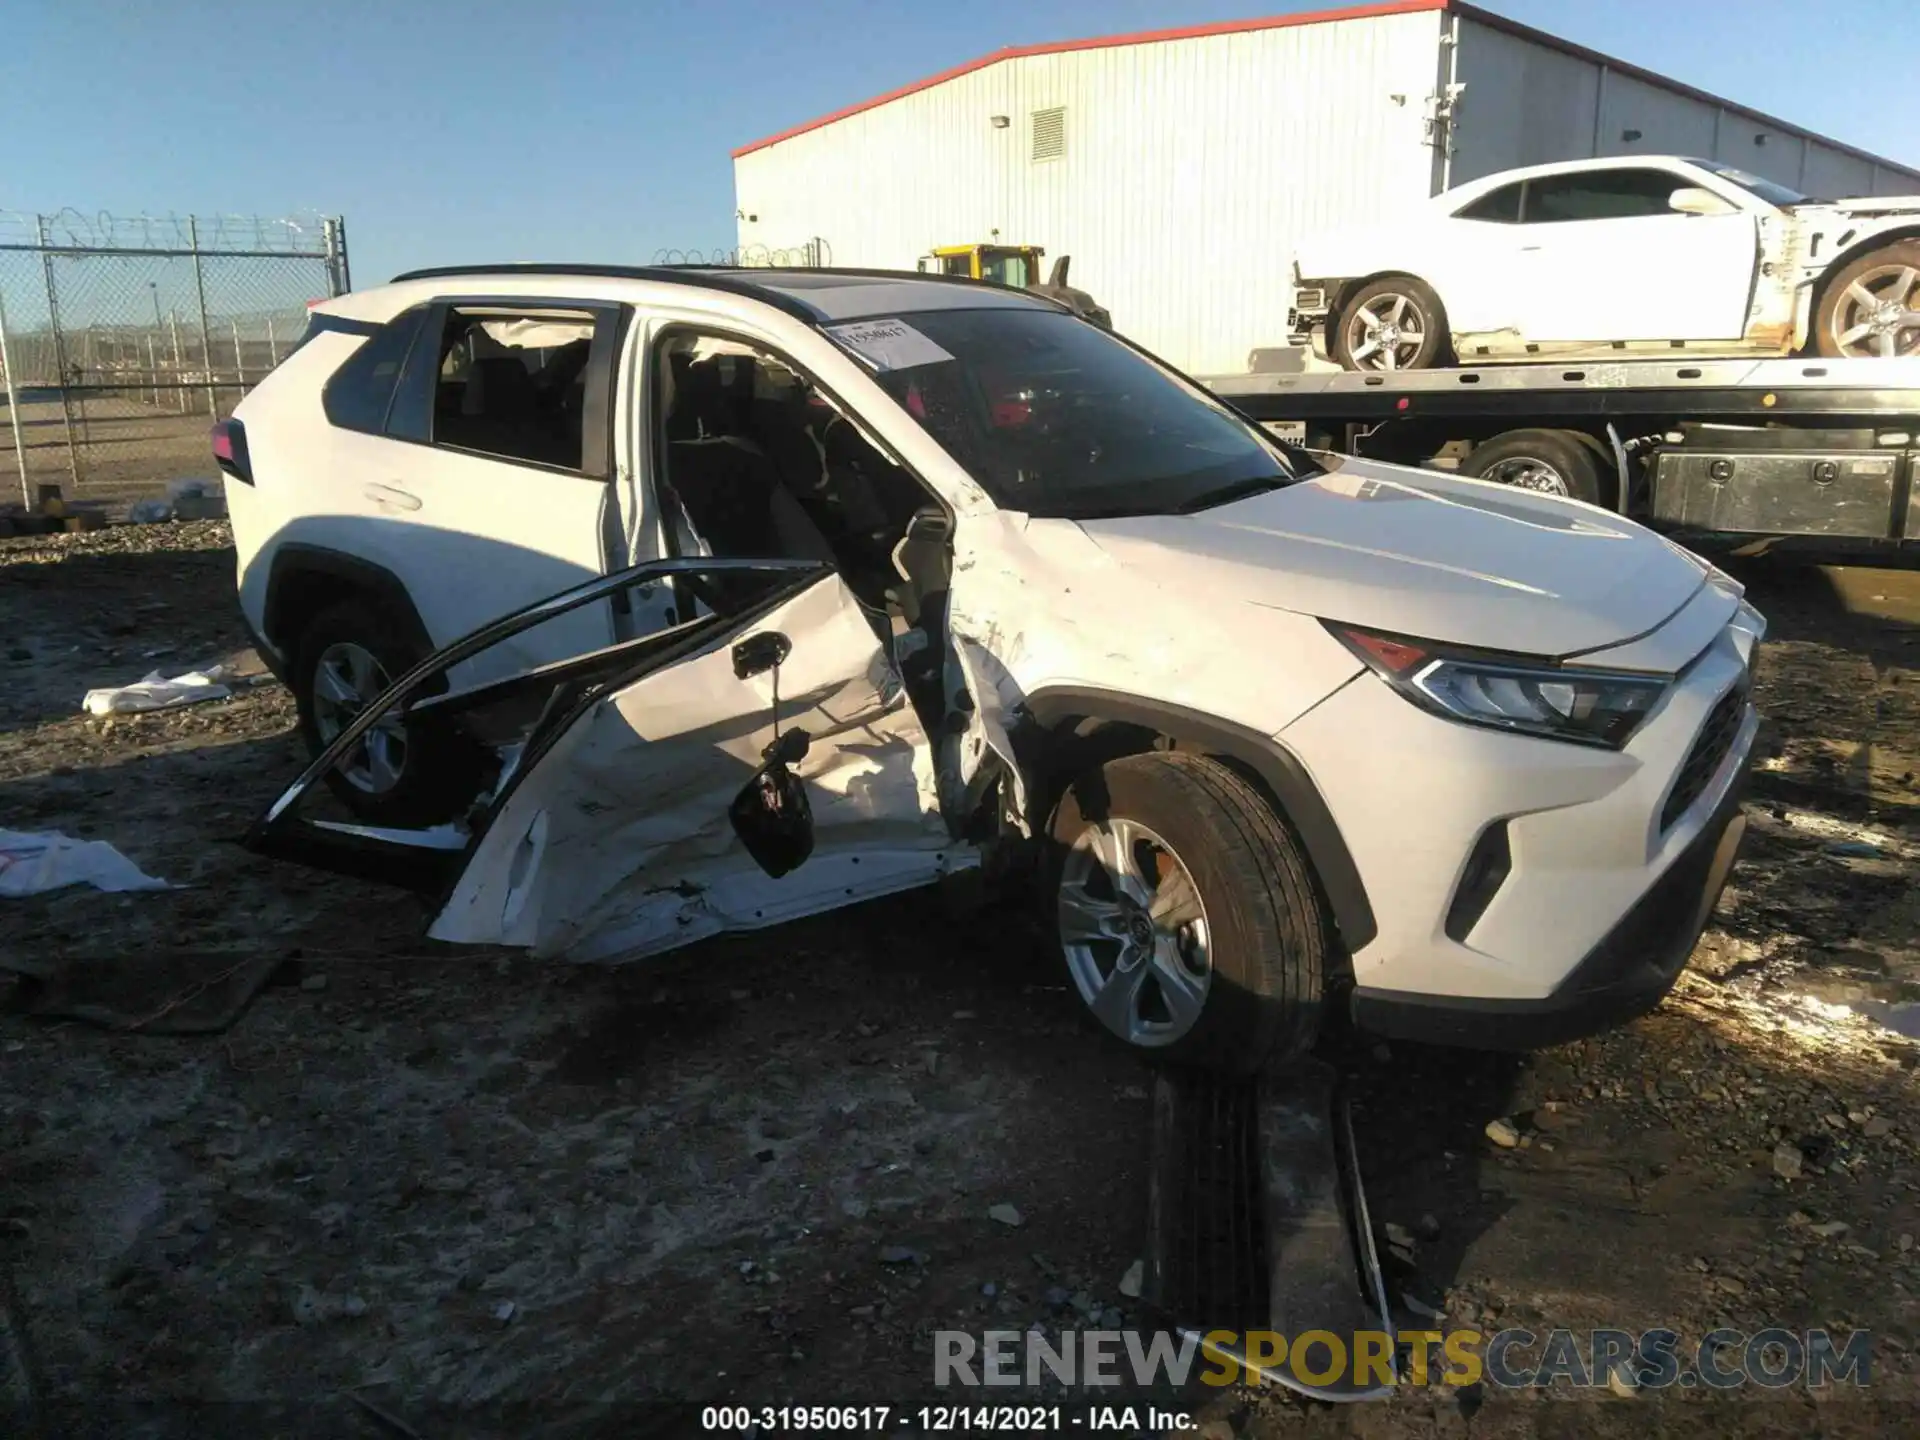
(296, 560)
(1299, 799)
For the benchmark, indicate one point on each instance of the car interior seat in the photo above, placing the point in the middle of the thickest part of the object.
(729, 488)
(923, 561)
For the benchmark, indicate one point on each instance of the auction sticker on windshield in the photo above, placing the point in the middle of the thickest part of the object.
(888, 344)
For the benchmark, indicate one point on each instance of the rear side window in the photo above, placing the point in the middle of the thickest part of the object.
(357, 396)
(1501, 206)
(513, 383)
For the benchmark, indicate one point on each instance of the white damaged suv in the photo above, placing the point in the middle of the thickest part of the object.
(629, 606)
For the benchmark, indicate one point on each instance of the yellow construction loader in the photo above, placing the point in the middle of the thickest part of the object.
(1017, 266)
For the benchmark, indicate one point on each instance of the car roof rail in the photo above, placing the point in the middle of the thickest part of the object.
(665, 274)
(724, 277)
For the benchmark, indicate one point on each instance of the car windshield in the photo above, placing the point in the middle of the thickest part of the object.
(1053, 416)
(1768, 191)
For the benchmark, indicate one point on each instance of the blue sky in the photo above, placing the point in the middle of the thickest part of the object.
(470, 130)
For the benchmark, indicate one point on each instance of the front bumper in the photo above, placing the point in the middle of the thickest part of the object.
(1307, 316)
(1606, 850)
(1624, 976)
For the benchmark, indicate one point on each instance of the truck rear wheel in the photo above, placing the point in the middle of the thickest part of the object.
(1186, 914)
(1552, 462)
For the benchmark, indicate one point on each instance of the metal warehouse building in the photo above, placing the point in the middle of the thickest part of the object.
(1178, 167)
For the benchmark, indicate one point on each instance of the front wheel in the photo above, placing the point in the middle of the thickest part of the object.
(1391, 324)
(1186, 914)
(1871, 309)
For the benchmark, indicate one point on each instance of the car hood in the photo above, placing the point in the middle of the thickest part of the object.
(1865, 205)
(1421, 554)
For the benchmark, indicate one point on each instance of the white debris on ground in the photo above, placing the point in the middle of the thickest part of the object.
(191, 498)
(156, 692)
(31, 864)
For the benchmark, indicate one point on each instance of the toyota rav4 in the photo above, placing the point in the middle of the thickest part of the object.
(628, 606)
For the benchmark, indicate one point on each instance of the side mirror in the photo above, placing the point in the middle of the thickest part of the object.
(771, 814)
(1693, 200)
(760, 653)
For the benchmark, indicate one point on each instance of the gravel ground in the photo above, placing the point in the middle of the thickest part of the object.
(763, 1170)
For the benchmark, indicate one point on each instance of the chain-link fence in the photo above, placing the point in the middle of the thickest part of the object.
(121, 340)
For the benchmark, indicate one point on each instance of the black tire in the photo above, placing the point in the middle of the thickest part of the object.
(1837, 312)
(443, 769)
(1346, 330)
(1571, 458)
(1267, 927)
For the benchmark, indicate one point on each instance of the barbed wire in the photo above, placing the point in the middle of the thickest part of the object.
(298, 234)
(810, 255)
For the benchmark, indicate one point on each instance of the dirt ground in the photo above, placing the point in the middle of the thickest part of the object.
(423, 1192)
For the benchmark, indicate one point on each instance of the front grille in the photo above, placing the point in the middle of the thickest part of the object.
(1709, 750)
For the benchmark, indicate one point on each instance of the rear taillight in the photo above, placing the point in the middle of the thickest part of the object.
(230, 450)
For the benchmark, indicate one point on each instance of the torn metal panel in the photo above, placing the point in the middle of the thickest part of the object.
(1113, 606)
(985, 695)
(618, 840)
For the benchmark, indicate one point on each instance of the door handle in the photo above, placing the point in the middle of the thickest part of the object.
(391, 497)
(1528, 249)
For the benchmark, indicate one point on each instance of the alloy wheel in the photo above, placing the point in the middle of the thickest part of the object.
(1878, 316)
(346, 678)
(1134, 931)
(1386, 332)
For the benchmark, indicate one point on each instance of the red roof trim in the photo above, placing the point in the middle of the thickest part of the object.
(1143, 37)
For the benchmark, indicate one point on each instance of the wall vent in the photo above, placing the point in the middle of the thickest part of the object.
(1050, 133)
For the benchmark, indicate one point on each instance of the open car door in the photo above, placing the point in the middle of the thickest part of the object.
(756, 763)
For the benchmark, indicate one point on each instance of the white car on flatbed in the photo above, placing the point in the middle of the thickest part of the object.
(1614, 258)
(717, 598)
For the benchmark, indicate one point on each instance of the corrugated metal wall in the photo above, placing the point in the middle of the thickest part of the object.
(1191, 167)
(1527, 103)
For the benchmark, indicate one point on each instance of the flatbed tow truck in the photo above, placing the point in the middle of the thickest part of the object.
(1736, 455)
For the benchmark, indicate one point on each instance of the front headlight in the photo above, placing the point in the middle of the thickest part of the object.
(1560, 702)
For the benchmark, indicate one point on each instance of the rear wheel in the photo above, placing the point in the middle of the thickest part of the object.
(1871, 309)
(1391, 324)
(1552, 462)
(396, 774)
(1186, 914)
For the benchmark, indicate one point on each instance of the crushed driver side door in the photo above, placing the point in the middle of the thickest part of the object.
(633, 780)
